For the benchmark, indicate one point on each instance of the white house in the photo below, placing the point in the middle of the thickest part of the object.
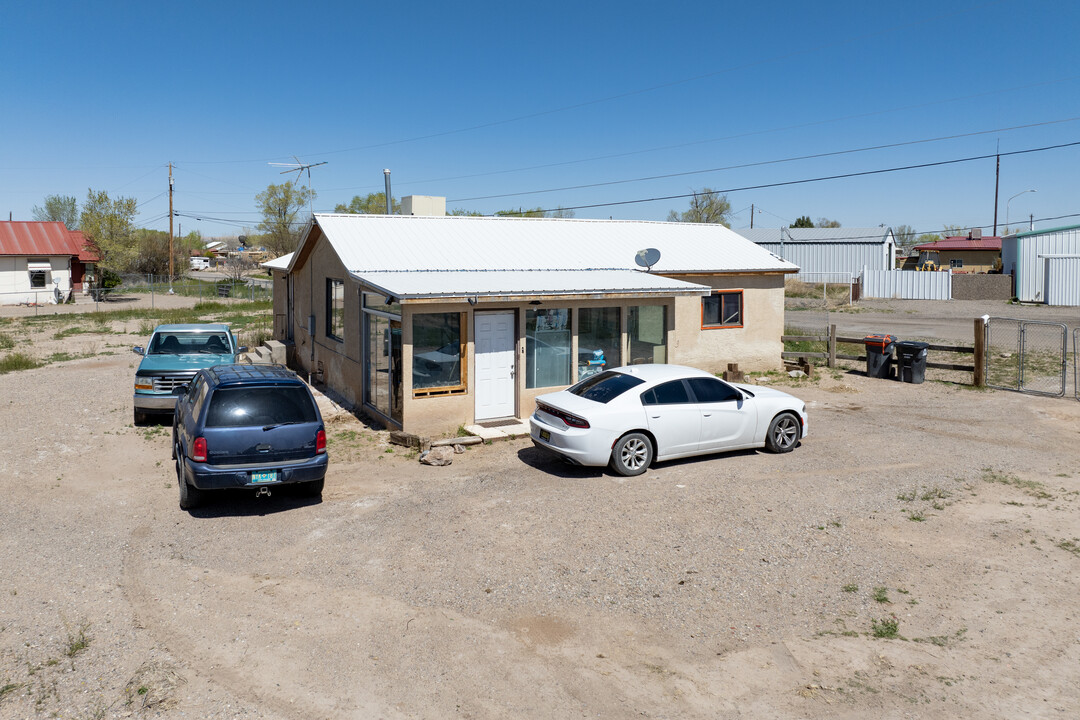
(42, 262)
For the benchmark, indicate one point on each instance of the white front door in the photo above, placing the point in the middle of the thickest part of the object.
(494, 365)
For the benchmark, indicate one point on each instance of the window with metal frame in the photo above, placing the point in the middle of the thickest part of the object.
(335, 309)
(722, 309)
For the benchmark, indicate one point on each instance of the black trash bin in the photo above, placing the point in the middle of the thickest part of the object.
(911, 356)
(879, 355)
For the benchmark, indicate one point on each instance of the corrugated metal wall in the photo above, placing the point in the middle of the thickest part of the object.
(907, 284)
(1020, 255)
(842, 260)
(1062, 274)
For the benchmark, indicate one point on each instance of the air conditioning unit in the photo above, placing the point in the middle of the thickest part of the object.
(976, 234)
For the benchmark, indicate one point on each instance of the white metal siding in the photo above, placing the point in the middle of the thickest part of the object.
(1062, 275)
(1020, 254)
(907, 284)
(841, 259)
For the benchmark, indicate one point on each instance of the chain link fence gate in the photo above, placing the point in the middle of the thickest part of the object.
(1027, 355)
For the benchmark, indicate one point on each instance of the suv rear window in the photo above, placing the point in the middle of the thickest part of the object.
(605, 387)
(268, 405)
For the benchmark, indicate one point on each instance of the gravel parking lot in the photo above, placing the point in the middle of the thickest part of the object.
(916, 556)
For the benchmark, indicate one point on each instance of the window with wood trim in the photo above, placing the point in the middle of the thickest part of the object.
(438, 353)
(722, 309)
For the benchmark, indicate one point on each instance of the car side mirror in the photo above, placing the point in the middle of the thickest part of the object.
(242, 348)
(138, 350)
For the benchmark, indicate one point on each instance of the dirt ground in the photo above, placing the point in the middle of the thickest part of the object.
(916, 556)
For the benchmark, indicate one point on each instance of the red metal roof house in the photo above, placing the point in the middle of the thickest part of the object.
(43, 262)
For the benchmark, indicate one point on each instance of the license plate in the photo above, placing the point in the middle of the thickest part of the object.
(545, 435)
(265, 476)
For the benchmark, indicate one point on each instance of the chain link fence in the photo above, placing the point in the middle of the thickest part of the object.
(1026, 355)
(211, 288)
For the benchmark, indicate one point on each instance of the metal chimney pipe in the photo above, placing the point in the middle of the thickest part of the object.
(389, 201)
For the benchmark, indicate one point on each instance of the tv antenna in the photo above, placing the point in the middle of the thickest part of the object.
(647, 258)
(299, 168)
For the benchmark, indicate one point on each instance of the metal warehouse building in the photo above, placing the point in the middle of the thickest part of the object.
(828, 254)
(1044, 264)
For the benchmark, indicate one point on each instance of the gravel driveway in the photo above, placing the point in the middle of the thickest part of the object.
(916, 556)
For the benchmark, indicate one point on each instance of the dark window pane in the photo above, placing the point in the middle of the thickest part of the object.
(721, 309)
(671, 393)
(251, 406)
(605, 387)
(708, 390)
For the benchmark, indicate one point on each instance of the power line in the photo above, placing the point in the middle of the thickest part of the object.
(760, 163)
(816, 179)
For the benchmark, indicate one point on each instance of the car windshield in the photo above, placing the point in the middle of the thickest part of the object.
(605, 387)
(253, 406)
(190, 343)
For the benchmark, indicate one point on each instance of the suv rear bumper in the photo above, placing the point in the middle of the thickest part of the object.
(212, 477)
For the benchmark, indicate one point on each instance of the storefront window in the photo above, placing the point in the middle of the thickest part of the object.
(599, 336)
(438, 346)
(547, 347)
(647, 327)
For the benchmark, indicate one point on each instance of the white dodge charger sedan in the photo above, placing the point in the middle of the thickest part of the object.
(629, 416)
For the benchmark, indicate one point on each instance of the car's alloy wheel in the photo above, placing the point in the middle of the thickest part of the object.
(783, 434)
(632, 454)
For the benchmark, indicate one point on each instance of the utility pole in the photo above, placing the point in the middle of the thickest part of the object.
(170, 230)
(751, 216)
(997, 179)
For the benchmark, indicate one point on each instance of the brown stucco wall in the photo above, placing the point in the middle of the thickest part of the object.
(981, 287)
(755, 346)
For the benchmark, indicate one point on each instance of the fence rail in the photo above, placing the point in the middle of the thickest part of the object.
(832, 340)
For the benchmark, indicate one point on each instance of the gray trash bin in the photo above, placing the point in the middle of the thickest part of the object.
(911, 356)
(879, 355)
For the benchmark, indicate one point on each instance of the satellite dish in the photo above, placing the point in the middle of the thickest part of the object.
(647, 258)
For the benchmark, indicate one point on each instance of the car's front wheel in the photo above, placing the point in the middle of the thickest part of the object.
(632, 454)
(190, 497)
(783, 433)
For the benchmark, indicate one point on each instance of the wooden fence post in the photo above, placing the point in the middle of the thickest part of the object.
(980, 352)
(832, 346)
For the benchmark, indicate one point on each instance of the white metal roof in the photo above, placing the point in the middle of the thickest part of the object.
(278, 263)
(417, 284)
(467, 244)
(816, 235)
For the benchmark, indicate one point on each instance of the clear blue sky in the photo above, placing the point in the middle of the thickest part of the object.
(474, 100)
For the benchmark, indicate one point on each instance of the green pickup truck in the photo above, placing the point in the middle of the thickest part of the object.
(171, 359)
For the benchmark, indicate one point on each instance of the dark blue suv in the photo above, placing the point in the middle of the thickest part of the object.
(247, 426)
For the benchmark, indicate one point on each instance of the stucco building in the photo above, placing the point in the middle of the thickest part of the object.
(434, 322)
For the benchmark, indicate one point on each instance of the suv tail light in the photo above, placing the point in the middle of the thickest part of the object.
(198, 450)
(320, 442)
